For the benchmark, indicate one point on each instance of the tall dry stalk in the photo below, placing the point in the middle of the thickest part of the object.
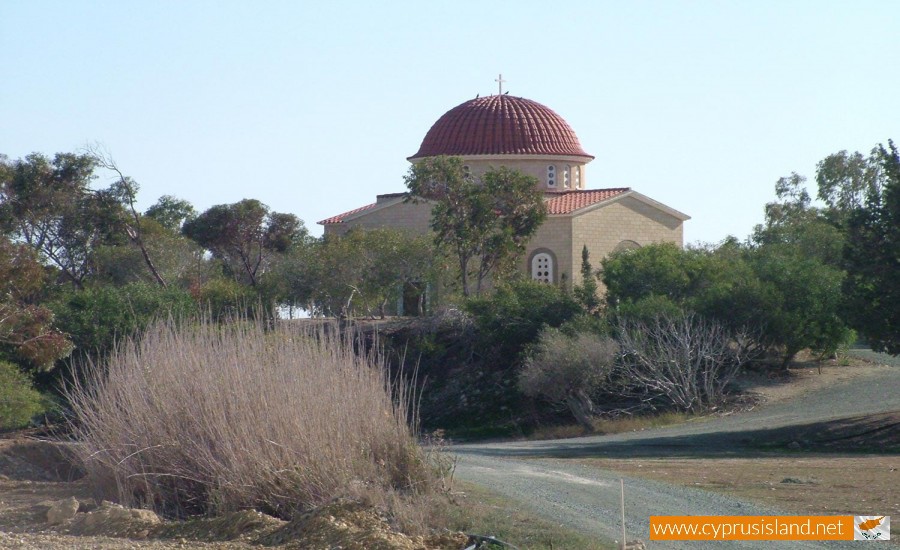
(206, 418)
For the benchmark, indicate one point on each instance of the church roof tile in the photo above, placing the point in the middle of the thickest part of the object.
(500, 125)
(567, 202)
(564, 202)
(340, 217)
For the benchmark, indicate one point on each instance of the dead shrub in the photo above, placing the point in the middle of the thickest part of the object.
(680, 361)
(212, 418)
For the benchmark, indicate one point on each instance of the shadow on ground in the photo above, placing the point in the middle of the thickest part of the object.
(873, 434)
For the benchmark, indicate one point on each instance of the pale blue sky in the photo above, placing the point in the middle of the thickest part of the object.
(313, 107)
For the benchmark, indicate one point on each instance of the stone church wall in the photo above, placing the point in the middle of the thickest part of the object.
(411, 217)
(624, 222)
(554, 236)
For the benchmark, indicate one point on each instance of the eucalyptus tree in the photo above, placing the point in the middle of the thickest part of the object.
(482, 222)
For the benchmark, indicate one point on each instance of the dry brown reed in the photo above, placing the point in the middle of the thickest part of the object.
(208, 418)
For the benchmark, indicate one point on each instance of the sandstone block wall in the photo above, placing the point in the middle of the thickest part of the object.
(412, 217)
(628, 219)
(602, 230)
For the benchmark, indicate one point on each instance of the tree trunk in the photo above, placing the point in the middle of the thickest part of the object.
(580, 405)
(464, 276)
(136, 238)
(788, 358)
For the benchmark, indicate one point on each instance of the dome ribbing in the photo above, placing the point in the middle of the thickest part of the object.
(500, 125)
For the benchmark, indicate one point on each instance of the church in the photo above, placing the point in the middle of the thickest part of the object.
(521, 134)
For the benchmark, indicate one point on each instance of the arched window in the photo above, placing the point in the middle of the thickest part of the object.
(542, 267)
(551, 176)
(626, 245)
(467, 172)
(566, 173)
(578, 177)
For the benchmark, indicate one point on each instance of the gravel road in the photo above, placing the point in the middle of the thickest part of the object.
(537, 474)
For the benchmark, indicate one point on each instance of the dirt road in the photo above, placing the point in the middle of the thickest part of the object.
(541, 475)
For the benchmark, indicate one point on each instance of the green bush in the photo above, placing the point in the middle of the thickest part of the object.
(19, 401)
(806, 314)
(226, 298)
(586, 323)
(511, 319)
(785, 300)
(648, 308)
(96, 317)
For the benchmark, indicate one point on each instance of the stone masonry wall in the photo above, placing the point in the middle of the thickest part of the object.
(411, 217)
(628, 219)
(603, 229)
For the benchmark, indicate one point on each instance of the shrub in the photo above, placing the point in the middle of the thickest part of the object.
(220, 417)
(807, 306)
(19, 401)
(514, 315)
(683, 362)
(566, 369)
(225, 298)
(648, 308)
(790, 301)
(95, 317)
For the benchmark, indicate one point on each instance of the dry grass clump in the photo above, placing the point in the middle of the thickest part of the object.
(212, 418)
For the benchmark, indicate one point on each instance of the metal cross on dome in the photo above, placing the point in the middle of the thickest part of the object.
(499, 80)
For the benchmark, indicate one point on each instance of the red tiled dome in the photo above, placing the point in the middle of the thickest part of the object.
(500, 125)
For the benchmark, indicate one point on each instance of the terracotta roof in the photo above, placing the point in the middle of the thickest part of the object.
(500, 125)
(564, 202)
(570, 201)
(340, 217)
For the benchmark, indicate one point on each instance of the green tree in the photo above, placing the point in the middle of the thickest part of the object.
(872, 259)
(482, 223)
(365, 270)
(659, 269)
(845, 180)
(122, 193)
(586, 292)
(802, 298)
(793, 222)
(176, 258)
(171, 212)
(245, 235)
(49, 206)
(786, 300)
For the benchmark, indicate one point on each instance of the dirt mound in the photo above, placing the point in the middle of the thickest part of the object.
(115, 521)
(37, 460)
(347, 525)
(244, 525)
(352, 526)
